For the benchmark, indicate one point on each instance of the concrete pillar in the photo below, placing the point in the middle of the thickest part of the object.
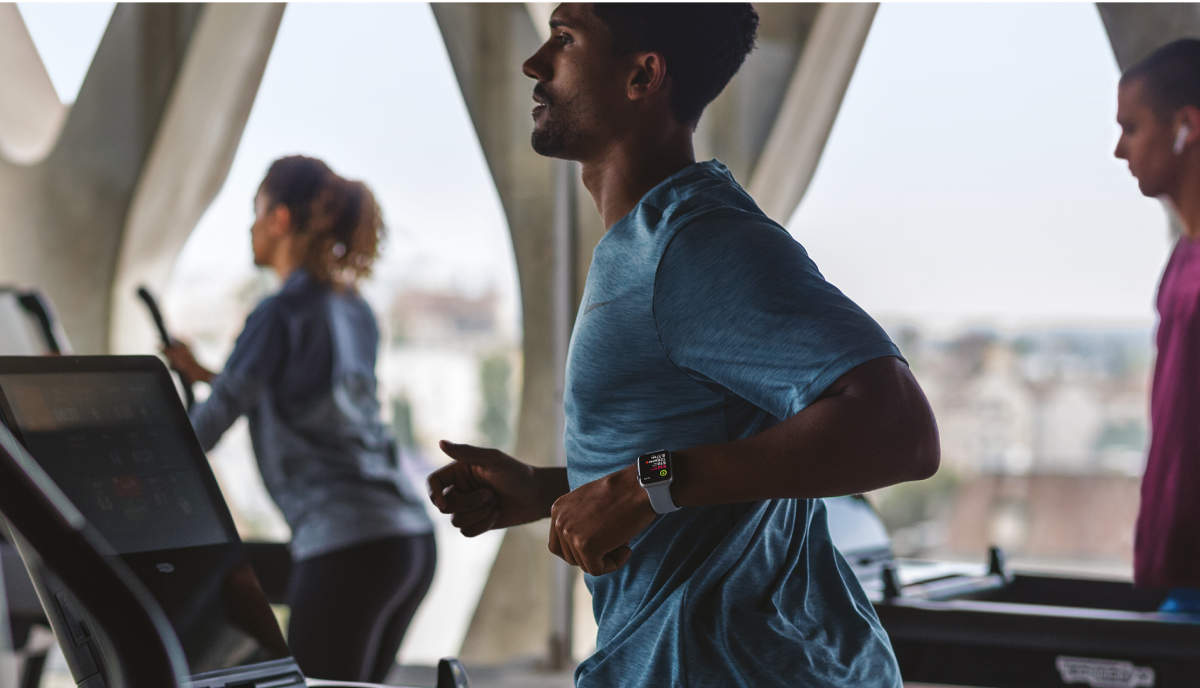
(810, 106)
(487, 44)
(771, 122)
(31, 114)
(66, 216)
(735, 126)
(191, 156)
(1136, 29)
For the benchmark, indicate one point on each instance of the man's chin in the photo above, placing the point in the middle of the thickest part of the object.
(545, 143)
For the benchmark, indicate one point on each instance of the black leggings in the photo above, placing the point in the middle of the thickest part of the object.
(351, 607)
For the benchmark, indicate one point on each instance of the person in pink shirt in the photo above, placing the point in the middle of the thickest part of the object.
(1158, 110)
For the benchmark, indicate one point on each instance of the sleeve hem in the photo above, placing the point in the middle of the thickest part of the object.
(842, 365)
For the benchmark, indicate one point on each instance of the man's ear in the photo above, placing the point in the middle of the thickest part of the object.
(648, 78)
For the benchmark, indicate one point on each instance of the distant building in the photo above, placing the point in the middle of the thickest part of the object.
(426, 316)
(1045, 434)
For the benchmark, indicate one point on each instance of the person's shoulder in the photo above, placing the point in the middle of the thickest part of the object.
(267, 305)
(731, 231)
(266, 313)
(701, 189)
(301, 292)
(295, 296)
(706, 198)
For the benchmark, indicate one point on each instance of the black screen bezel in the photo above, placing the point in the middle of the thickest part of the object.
(57, 365)
(646, 478)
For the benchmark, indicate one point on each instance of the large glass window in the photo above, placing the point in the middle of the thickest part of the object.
(369, 89)
(968, 198)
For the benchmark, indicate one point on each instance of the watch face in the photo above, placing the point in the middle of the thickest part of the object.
(654, 467)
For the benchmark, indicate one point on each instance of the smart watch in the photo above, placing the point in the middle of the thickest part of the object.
(655, 473)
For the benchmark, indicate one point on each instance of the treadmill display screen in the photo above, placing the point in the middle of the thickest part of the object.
(112, 444)
(119, 445)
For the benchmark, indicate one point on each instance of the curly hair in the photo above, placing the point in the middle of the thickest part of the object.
(337, 220)
(703, 44)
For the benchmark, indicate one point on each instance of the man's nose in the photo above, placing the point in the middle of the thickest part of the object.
(535, 67)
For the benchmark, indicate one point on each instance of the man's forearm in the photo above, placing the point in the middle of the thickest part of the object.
(859, 438)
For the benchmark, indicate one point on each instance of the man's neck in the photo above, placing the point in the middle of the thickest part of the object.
(623, 173)
(1187, 204)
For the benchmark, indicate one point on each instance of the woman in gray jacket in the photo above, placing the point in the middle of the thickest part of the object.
(303, 374)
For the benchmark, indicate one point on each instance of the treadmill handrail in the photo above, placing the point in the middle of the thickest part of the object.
(142, 639)
(39, 307)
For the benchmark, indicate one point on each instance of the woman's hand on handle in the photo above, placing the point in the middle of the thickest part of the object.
(179, 356)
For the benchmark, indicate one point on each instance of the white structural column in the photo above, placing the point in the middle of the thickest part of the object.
(814, 96)
(734, 127)
(191, 155)
(487, 44)
(63, 215)
(1136, 29)
(66, 215)
(31, 114)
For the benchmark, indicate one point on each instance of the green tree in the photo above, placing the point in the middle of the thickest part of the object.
(494, 425)
(402, 423)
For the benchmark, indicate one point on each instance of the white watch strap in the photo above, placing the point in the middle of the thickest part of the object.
(660, 498)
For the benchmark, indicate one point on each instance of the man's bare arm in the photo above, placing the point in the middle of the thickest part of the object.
(871, 428)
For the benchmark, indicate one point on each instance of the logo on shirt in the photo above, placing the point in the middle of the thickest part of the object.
(1103, 673)
(593, 306)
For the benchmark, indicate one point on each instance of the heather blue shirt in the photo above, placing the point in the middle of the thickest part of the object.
(303, 374)
(703, 321)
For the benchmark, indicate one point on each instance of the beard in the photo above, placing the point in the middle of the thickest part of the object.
(558, 134)
(554, 137)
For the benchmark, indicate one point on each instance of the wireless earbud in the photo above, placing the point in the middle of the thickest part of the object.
(1180, 138)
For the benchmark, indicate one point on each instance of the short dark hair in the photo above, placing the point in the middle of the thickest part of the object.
(703, 44)
(1171, 75)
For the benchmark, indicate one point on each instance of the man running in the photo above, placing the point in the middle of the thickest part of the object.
(716, 387)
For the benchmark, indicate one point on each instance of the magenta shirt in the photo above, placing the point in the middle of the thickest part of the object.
(1167, 543)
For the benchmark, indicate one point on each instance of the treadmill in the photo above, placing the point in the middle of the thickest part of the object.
(8, 660)
(28, 326)
(984, 625)
(125, 533)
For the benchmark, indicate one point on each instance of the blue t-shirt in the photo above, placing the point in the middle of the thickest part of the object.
(703, 322)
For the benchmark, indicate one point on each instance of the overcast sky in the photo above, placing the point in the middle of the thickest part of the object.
(969, 176)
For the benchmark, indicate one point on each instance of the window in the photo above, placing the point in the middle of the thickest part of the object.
(969, 200)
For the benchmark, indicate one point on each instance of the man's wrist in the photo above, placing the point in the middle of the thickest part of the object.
(629, 478)
(551, 483)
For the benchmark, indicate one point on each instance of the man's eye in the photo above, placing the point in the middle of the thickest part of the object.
(564, 38)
